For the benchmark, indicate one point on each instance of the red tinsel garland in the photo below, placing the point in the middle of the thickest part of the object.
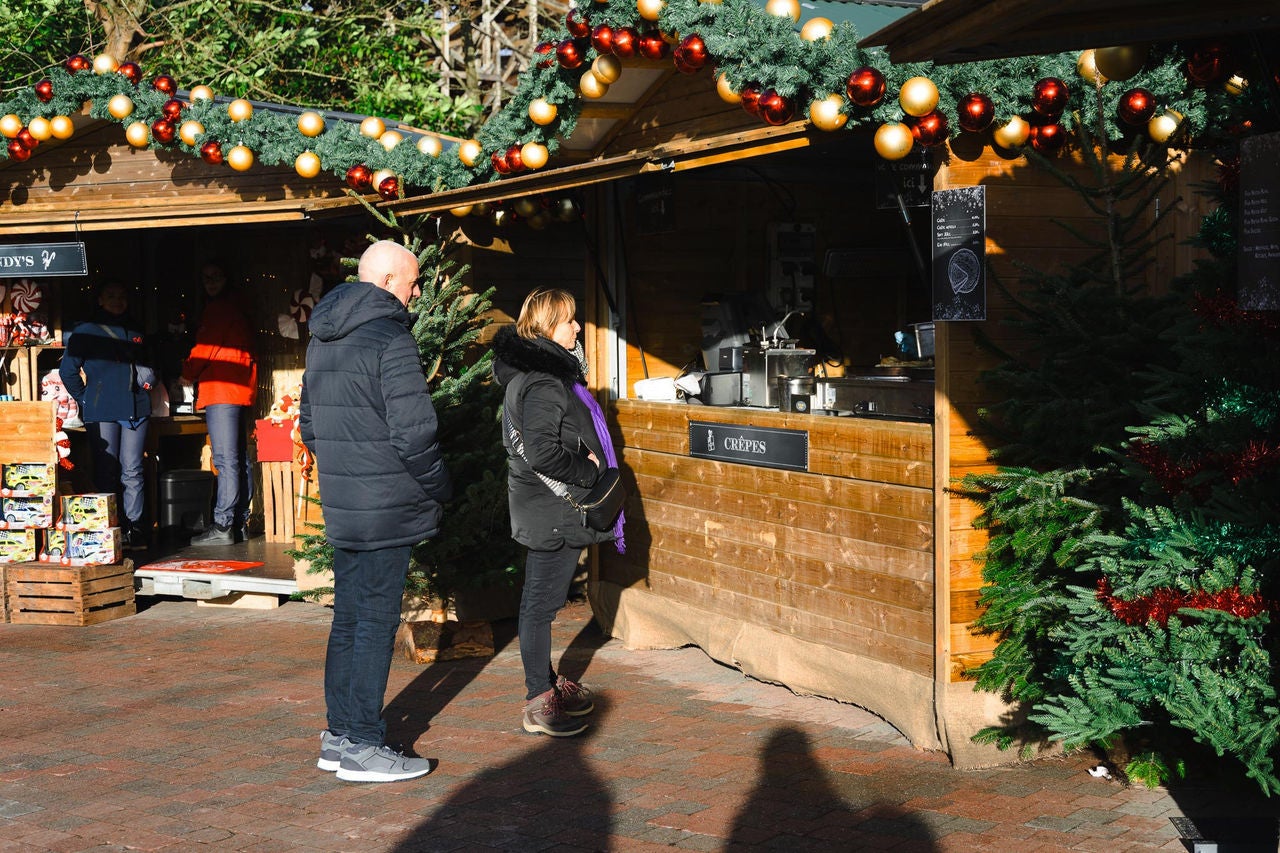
(1165, 602)
(1172, 476)
(1222, 310)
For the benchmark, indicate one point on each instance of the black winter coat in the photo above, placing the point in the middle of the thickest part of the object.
(366, 416)
(538, 378)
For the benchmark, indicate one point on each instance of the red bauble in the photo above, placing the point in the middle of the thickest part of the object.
(44, 90)
(500, 164)
(166, 84)
(172, 109)
(1209, 64)
(568, 54)
(211, 152)
(1136, 107)
(930, 128)
(975, 112)
(515, 160)
(652, 45)
(360, 178)
(18, 152)
(691, 54)
(751, 98)
(1049, 97)
(163, 131)
(865, 87)
(602, 39)
(625, 42)
(130, 71)
(545, 49)
(577, 25)
(78, 62)
(389, 188)
(776, 109)
(1048, 138)
(28, 141)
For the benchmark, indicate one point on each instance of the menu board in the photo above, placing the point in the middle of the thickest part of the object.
(1258, 249)
(959, 254)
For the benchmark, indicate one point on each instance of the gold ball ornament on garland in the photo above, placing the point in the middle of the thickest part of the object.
(1163, 127)
(1012, 134)
(239, 110)
(469, 152)
(817, 29)
(650, 9)
(461, 211)
(784, 9)
(240, 158)
(607, 67)
(430, 146)
(62, 127)
(726, 91)
(373, 127)
(104, 63)
(525, 206)
(893, 141)
(534, 155)
(566, 210)
(1087, 68)
(307, 165)
(311, 124)
(189, 131)
(138, 134)
(918, 96)
(390, 139)
(828, 113)
(10, 126)
(481, 209)
(201, 93)
(592, 86)
(40, 128)
(1121, 62)
(120, 106)
(542, 112)
(1235, 85)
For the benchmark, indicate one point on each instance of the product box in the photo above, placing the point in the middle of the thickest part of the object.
(26, 513)
(82, 547)
(88, 512)
(274, 439)
(17, 546)
(23, 479)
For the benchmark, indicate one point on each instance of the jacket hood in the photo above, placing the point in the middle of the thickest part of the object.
(352, 304)
(513, 354)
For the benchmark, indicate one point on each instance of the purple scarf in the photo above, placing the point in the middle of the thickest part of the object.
(610, 457)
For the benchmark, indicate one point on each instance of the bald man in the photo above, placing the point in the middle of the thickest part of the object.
(367, 418)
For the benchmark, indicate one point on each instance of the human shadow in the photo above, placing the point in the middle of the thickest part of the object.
(796, 806)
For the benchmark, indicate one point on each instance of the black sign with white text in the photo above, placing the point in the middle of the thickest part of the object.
(34, 260)
(764, 446)
(960, 254)
(1258, 249)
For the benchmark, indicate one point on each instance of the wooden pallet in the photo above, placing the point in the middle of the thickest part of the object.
(40, 594)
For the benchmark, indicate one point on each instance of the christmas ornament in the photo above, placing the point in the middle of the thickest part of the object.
(62, 127)
(930, 129)
(372, 127)
(1012, 134)
(865, 87)
(138, 134)
(1162, 128)
(120, 106)
(77, 62)
(165, 84)
(515, 161)
(200, 93)
(360, 178)
(430, 145)
(239, 110)
(18, 151)
(918, 96)
(104, 63)
(1087, 68)
(1121, 62)
(975, 112)
(602, 39)
(828, 113)
(163, 131)
(24, 136)
(568, 54)
(44, 91)
(390, 139)
(534, 154)
(211, 153)
(691, 54)
(750, 98)
(607, 67)
(539, 221)
(25, 296)
(592, 86)
(542, 112)
(545, 50)
(307, 164)
(625, 42)
(376, 179)
(650, 9)
(817, 29)
(131, 72)
(525, 206)
(652, 46)
(784, 9)
(40, 128)
(240, 158)
(725, 90)
(577, 24)
(480, 209)
(1136, 106)
(310, 124)
(1235, 85)
(469, 152)
(776, 109)
(893, 141)
(189, 131)
(1209, 64)
(1049, 97)
(10, 126)
(389, 188)
(566, 210)
(1048, 138)
(461, 211)
(172, 109)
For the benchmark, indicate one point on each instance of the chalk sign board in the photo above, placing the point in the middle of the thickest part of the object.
(1258, 249)
(959, 254)
(909, 180)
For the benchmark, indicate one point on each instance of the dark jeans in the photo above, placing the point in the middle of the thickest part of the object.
(367, 589)
(225, 423)
(547, 575)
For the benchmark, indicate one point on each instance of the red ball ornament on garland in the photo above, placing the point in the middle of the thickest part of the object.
(568, 54)
(44, 91)
(691, 54)
(930, 128)
(602, 39)
(499, 161)
(546, 49)
(865, 87)
(577, 25)
(1136, 107)
(131, 72)
(163, 131)
(77, 62)
(389, 188)
(172, 109)
(1048, 138)
(626, 40)
(776, 109)
(975, 112)
(751, 98)
(211, 152)
(28, 141)
(514, 158)
(1049, 97)
(18, 152)
(1209, 64)
(166, 84)
(652, 45)
(360, 178)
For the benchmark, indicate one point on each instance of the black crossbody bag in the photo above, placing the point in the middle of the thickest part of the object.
(600, 508)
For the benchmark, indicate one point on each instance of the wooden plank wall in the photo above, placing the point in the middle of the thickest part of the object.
(841, 555)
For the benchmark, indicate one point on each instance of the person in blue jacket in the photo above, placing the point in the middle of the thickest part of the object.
(106, 370)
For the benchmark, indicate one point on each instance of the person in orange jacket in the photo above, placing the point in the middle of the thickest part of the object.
(222, 366)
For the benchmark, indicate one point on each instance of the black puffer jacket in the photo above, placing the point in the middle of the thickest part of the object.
(367, 418)
(538, 378)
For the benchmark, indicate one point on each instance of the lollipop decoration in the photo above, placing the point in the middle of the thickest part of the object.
(26, 296)
(300, 305)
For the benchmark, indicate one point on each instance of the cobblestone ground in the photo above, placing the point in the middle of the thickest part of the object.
(188, 727)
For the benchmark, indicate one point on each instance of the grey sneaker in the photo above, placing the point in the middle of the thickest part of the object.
(576, 699)
(331, 748)
(361, 763)
(545, 714)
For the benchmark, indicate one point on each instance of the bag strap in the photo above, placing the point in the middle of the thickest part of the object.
(517, 442)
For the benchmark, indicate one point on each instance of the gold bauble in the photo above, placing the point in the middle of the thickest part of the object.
(1235, 85)
(784, 9)
(430, 145)
(200, 93)
(138, 134)
(525, 206)
(1162, 128)
(464, 210)
(10, 126)
(311, 123)
(650, 9)
(817, 29)
(481, 209)
(1012, 134)
(1087, 68)
(62, 127)
(373, 127)
(1121, 62)
(120, 106)
(918, 96)
(566, 210)
(240, 158)
(469, 152)
(40, 128)
(239, 110)
(592, 86)
(607, 67)
(307, 165)
(380, 176)
(827, 113)
(534, 155)
(725, 90)
(894, 140)
(189, 131)
(390, 139)
(105, 63)
(542, 219)
(542, 111)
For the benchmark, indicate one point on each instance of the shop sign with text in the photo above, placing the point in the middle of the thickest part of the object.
(34, 260)
(751, 445)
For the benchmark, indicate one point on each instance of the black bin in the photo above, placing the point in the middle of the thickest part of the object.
(186, 500)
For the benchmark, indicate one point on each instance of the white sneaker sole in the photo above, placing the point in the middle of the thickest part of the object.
(377, 775)
(534, 729)
(328, 764)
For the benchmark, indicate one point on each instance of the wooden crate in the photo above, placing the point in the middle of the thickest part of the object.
(284, 511)
(40, 594)
(26, 432)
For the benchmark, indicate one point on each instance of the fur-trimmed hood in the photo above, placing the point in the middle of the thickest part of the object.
(513, 355)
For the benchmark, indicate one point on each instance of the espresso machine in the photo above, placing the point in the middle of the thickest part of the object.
(763, 364)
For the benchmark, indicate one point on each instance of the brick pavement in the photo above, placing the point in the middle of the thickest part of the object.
(186, 728)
